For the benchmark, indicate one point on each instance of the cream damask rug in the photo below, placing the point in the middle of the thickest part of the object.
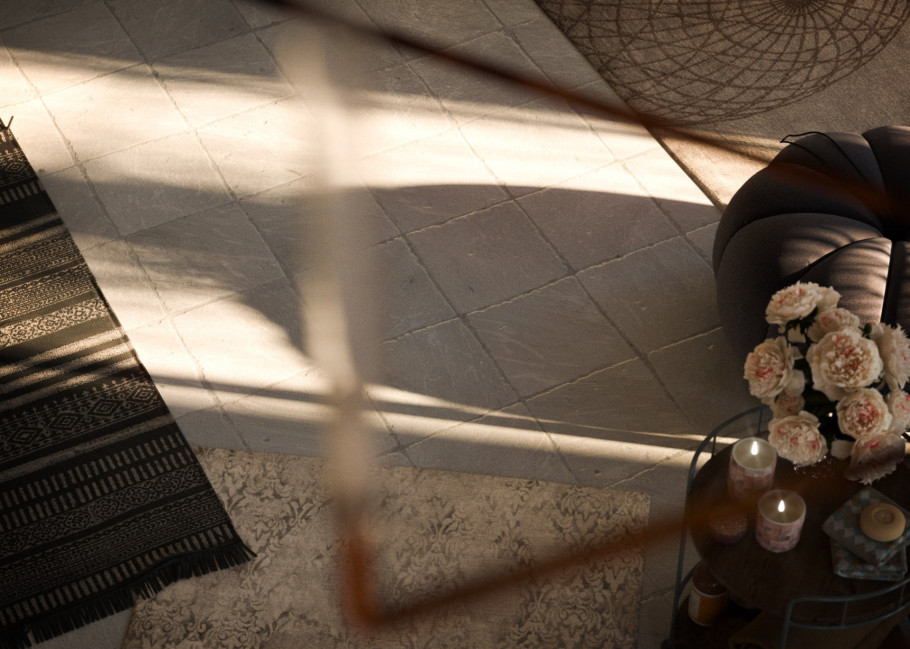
(435, 529)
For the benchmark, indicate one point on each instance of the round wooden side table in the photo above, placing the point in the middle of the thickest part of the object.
(799, 585)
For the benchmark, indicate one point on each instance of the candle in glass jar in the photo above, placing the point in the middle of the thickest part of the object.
(780, 519)
(751, 470)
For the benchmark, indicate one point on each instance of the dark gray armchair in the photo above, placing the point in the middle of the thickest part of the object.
(833, 209)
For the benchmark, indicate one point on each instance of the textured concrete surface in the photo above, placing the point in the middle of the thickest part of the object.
(542, 303)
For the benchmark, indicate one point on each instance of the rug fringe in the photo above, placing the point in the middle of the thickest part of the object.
(120, 599)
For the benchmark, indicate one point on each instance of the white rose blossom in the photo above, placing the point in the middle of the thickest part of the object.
(899, 405)
(799, 300)
(797, 438)
(770, 370)
(845, 365)
(785, 404)
(842, 362)
(836, 319)
(894, 348)
(874, 456)
(863, 412)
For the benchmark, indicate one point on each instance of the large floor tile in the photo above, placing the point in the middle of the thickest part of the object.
(554, 54)
(17, 88)
(124, 284)
(487, 257)
(285, 216)
(78, 206)
(607, 216)
(289, 416)
(705, 378)
(410, 416)
(536, 145)
(156, 182)
(277, 216)
(621, 404)
(703, 238)
(105, 633)
(601, 108)
(69, 48)
(654, 620)
(513, 12)
(392, 107)
(248, 343)
(296, 416)
(407, 298)
(506, 443)
(262, 148)
(658, 295)
(468, 93)
(204, 257)
(612, 459)
(259, 14)
(15, 13)
(210, 428)
(446, 362)
(114, 112)
(437, 21)
(675, 192)
(168, 26)
(222, 79)
(39, 138)
(362, 52)
(622, 139)
(430, 181)
(549, 337)
(172, 368)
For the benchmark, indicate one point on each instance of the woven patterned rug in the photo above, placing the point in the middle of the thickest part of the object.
(433, 530)
(101, 498)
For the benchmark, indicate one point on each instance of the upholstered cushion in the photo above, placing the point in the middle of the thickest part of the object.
(833, 209)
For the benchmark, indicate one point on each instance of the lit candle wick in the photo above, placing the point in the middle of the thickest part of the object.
(780, 507)
(754, 448)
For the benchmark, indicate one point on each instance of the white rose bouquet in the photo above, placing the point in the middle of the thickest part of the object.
(826, 376)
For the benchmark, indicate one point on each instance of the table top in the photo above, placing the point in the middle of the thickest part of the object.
(765, 580)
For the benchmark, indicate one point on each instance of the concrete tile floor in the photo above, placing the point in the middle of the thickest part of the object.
(543, 303)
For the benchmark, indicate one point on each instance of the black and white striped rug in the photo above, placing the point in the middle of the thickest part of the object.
(101, 498)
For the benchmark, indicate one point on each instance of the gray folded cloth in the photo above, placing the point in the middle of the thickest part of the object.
(764, 632)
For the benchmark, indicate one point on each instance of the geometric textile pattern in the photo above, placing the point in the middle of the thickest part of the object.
(843, 526)
(702, 62)
(101, 498)
(847, 564)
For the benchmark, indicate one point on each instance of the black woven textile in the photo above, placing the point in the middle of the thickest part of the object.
(101, 498)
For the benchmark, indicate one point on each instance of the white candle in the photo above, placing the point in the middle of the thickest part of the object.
(751, 469)
(780, 520)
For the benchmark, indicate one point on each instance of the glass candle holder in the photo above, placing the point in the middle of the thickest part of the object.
(751, 469)
(780, 519)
